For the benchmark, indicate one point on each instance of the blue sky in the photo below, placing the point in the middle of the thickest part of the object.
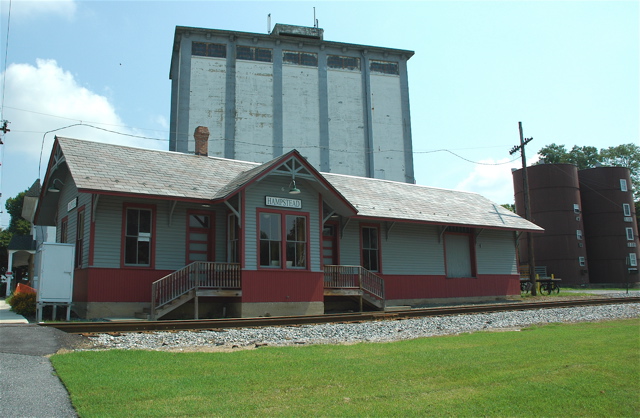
(567, 69)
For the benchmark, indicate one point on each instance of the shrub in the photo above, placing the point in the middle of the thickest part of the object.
(23, 303)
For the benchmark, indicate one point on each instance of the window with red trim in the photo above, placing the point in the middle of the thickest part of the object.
(283, 236)
(233, 239)
(137, 239)
(79, 237)
(370, 242)
(64, 228)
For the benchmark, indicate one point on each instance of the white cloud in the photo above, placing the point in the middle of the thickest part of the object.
(491, 181)
(45, 98)
(30, 8)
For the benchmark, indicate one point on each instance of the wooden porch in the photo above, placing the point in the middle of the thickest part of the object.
(211, 279)
(198, 279)
(354, 281)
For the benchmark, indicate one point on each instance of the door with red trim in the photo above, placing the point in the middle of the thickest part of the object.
(330, 244)
(199, 236)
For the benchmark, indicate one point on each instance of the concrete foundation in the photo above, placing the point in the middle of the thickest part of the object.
(94, 310)
(266, 309)
(415, 303)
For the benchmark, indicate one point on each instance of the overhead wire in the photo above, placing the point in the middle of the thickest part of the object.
(4, 80)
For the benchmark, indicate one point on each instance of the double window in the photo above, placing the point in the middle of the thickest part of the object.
(138, 236)
(343, 63)
(283, 240)
(250, 53)
(307, 59)
(207, 49)
(384, 67)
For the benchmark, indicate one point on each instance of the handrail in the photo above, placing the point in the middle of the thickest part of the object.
(197, 275)
(354, 277)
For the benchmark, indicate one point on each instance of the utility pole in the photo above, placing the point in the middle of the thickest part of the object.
(527, 208)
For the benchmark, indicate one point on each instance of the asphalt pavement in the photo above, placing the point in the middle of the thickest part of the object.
(29, 386)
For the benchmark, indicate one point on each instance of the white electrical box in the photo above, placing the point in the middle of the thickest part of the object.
(54, 263)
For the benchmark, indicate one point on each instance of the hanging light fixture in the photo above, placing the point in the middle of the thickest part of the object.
(53, 188)
(292, 187)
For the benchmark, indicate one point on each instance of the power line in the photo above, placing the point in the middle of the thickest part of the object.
(6, 54)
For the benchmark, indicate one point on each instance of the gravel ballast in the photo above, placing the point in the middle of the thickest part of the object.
(350, 333)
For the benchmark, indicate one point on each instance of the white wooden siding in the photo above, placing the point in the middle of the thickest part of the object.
(411, 249)
(350, 245)
(272, 186)
(68, 193)
(170, 239)
(496, 252)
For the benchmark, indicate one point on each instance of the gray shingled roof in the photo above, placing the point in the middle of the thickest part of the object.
(104, 167)
(22, 243)
(389, 199)
(113, 168)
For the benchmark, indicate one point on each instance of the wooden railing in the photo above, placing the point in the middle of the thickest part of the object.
(354, 277)
(197, 275)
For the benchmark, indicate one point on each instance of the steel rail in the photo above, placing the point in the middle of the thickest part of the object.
(199, 324)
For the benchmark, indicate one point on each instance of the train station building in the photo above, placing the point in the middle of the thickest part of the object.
(154, 230)
(287, 189)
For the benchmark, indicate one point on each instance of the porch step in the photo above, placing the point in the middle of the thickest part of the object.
(397, 308)
(163, 310)
(142, 315)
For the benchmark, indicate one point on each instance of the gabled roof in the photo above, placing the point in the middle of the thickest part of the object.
(22, 243)
(115, 169)
(381, 199)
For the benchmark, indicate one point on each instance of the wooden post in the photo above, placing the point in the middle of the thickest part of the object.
(527, 208)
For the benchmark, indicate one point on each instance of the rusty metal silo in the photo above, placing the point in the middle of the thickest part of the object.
(611, 228)
(556, 206)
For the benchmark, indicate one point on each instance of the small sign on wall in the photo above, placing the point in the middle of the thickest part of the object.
(72, 204)
(283, 202)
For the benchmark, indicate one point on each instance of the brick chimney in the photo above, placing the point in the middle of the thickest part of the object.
(201, 136)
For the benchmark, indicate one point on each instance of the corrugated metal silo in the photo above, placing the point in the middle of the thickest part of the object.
(611, 227)
(556, 206)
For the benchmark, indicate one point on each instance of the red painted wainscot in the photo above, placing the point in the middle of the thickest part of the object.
(114, 285)
(282, 286)
(427, 287)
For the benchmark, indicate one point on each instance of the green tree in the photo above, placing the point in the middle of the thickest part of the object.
(17, 225)
(553, 154)
(584, 157)
(509, 206)
(625, 155)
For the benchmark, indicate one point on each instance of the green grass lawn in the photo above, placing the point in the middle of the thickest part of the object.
(587, 369)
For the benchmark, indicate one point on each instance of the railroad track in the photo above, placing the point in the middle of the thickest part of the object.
(199, 324)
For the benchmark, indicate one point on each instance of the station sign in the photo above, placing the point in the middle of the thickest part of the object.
(283, 202)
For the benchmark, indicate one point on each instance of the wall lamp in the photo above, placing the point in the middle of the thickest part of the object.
(292, 187)
(53, 188)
